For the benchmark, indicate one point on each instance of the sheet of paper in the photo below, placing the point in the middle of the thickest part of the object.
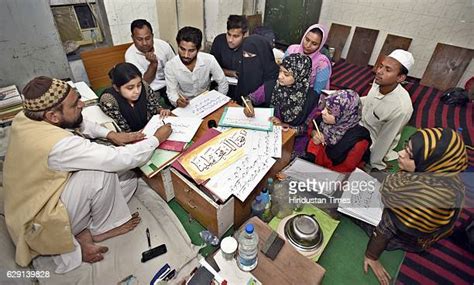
(240, 178)
(86, 92)
(184, 129)
(362, 199)
(202, 105)
(215, 155)
(232, 80)
(322, 180)
(265, 143)
(235, 117)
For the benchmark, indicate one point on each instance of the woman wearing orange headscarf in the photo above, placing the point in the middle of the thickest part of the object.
(423, 201)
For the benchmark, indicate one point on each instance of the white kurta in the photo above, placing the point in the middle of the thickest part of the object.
(163, 52)
(385, 116)
(97, 193)
(179, 79)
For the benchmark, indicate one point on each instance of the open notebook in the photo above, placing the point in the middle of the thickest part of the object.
(362, 200)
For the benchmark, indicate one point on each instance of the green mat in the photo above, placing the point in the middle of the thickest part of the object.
(193, 228)
(343, 258)
(328, 225)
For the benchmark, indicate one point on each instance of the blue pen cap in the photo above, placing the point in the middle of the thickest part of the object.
(249, 228)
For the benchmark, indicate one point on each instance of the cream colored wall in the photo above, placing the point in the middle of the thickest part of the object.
(168, 21)
(427, 22)
(216, 14)
(121, 13)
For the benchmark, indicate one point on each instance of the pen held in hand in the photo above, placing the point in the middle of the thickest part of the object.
(317, 129)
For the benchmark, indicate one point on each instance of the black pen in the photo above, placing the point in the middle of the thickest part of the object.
(163, 122)
(148, 237)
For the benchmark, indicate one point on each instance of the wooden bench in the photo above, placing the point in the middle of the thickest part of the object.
(98, 63)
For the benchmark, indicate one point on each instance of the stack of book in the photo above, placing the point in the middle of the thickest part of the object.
(10, 102)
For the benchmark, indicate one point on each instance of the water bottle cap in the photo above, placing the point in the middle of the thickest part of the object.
(249, 228)
(265, 190)
(270, 180)
(258, 199)
(459, 130)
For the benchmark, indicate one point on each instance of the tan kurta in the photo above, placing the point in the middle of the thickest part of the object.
(36, 219)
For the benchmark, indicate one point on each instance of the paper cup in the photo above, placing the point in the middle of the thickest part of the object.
(228, 247)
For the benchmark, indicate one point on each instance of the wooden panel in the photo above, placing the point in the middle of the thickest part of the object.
(289, 19)
(337, 39)
(446, 66)
(98, 63)
(392, 42)
(362, 46)
(289, 267)
(254, 21)
(186, 195)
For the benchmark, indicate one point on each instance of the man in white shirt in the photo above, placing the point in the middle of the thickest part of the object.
(63, 192)
(387, 108)
(189, 73)
(149, 55)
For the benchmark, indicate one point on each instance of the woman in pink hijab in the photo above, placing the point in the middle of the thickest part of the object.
(311, 44)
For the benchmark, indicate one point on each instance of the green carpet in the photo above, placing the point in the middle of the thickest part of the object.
(193, 228)
(343, 258)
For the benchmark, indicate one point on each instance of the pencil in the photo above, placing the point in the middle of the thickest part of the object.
(246, 105)
(163, 122)
(317, 129)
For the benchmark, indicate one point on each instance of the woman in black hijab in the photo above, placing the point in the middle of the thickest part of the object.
(130, 101)
(258, 65)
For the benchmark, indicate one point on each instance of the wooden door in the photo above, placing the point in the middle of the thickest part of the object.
(362, 46)
(337, 39)
(289, 19)
(392, 42)
(446, 66)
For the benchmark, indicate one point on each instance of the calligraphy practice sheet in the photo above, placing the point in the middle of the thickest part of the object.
(202, 105)
(215, 155)
(240, 178)
(362, 200)
(265, 143)
(183, 128)
(235, 117)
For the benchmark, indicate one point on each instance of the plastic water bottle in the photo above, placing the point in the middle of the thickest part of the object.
(258, 206)
(265, 196)
(209, 238)
(248, 249)
(270, 185)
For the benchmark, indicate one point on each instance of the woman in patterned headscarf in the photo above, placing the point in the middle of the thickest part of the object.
(294, 101)
(421, 207)
(342, 143)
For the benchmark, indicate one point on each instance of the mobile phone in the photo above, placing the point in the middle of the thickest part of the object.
(154, 252)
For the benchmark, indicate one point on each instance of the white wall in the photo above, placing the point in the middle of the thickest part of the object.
(216, 14)
(121, 13)
(427, 22)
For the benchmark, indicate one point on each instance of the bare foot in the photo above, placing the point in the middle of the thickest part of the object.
(90, 251)
(120, 230)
